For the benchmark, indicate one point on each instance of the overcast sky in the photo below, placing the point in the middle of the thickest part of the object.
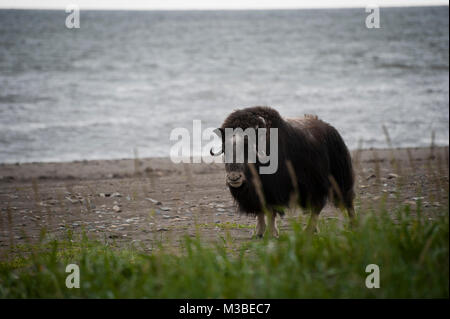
(210, 4)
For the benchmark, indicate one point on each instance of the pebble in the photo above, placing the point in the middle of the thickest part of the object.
(165, 209)
(392, 175)
(154, 201)
(73, 201)
(117, 209)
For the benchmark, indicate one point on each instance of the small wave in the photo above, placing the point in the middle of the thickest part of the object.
(16, 98)
(397, 65)
(33, 126)
(439, 67)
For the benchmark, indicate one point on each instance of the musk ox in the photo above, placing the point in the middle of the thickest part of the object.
(314, 165)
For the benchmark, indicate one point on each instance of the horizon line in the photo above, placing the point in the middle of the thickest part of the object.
(52, 8)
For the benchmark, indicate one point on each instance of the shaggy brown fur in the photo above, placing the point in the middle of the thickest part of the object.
(320, 160)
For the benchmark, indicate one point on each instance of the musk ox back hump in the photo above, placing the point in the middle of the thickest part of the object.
(323, 136)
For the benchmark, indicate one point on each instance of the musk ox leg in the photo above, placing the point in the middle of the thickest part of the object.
(352, 216)
(348, 203)
(272, 221)
(312, 224)
(351, 213)
(260, 225)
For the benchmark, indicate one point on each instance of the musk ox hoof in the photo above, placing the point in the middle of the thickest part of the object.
(354, 223)
(257, 236)
(312, 230)
(274, 234)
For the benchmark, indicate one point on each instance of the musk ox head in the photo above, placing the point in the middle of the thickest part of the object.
(237, 147)
(244, 140)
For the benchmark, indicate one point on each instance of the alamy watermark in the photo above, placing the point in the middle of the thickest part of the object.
(373, 279)
(237, 146)
(73, 17)
(373, 19)
(73, 279)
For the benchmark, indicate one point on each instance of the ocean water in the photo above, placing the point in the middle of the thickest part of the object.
(124, 80)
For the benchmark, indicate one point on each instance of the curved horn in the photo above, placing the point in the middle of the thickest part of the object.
(262, 120)
(217, 153)
(262, 156)
(218, 132)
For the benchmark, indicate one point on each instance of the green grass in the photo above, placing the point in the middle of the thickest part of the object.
(411, 250)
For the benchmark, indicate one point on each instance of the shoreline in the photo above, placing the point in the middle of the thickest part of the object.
(129, 167)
